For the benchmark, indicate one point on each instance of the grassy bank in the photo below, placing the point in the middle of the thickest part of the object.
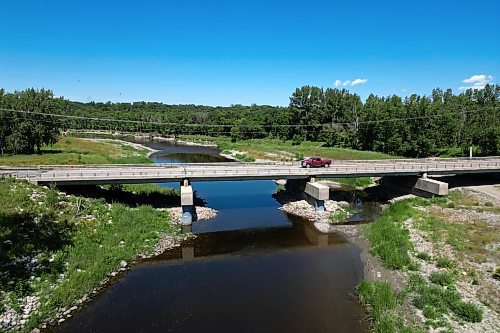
(56, 248)
(434, 284)
(272, 149)
(70, 150)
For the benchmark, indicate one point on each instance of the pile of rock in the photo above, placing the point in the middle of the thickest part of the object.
(11, 320)
(303, 209)
(202, 213)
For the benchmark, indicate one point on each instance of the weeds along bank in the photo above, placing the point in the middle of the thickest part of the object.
(56, 250)
(445, 253)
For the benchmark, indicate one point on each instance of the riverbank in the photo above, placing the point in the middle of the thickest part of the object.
(431, 265)
(279, 150)
(440, 265)
(58, 250)
(124, 144)
(69, 150)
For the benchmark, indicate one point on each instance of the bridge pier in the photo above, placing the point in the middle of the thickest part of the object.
(421, 186)
(187, 203)
(314, 193)
(431, 186)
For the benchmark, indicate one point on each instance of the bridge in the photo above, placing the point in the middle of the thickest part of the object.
(302, 178)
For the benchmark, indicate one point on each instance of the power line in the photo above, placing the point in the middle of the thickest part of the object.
(143, 122)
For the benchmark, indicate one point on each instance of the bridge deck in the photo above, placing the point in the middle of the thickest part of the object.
(107, 174)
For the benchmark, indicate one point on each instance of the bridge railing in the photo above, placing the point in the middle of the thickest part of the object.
(195, 170)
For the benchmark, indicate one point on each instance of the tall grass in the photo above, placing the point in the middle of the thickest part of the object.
(388, 237)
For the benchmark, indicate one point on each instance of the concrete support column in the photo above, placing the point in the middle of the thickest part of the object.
(314, 193)
(422, 186)
(432, 186)
(318, 193)
(187, 203)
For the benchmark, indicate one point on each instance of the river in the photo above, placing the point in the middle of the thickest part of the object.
(253, 268)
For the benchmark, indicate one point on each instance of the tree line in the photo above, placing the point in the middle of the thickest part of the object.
(414, 126)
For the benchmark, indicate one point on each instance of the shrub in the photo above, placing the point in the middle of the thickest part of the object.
(424, 256)
(442, 278)
(445, 263)
(467, 311)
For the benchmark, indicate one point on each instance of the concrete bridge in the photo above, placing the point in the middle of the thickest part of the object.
(302, 178)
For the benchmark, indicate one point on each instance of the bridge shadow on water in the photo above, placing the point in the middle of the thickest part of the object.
(159, 198)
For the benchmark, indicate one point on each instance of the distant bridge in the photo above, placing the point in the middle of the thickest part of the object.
(161, 173)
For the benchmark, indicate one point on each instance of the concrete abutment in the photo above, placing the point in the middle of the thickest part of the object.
(311, 191)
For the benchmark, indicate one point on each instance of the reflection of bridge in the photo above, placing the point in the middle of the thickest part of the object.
(160, 173)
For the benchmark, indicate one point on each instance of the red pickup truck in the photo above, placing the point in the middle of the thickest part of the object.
(315, 162)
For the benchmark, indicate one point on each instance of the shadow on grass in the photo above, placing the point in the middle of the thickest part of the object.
(22, 238)
(117, 194)
(49, 152)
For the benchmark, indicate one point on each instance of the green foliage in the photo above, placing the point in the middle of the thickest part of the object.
(297, 140)
(442, 278)
(24, 133)
(389, 239)
(244, 158)
(360, 182)
(445, 263)
(418, 126)
(382, 304)
(424, 256)
(80, 151)
(340, 215)
(439, 297)
(61, 247)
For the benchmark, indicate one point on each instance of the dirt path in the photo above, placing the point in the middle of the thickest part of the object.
(492, 191)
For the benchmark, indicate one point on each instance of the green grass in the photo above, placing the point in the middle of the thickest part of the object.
(257, 148)
(70, 150)
(340, 215)
(442, 278)
(424, 256)
(384, 307)
(439, 297)
(82, 239)
(244, 158)
(359, 182)
(445, 263)
(436, 296)
(388, 237)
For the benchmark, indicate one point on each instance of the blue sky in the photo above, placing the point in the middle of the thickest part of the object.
(228, 52)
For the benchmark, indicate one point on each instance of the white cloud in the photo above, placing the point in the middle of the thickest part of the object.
(350, 83)
(358, 81)
(475, 87)
(478, 81)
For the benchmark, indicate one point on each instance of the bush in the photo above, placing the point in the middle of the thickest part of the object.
(445, 263)
(442, 278)
(297, 140)
(424, 256)
(467, 311)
